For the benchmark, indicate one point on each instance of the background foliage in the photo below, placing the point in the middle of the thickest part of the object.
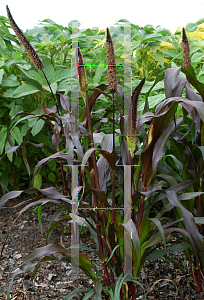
(23, 88)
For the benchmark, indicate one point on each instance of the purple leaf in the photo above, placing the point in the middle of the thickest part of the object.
(94, 96)
(81, 259)
(157, 238)
(124, 152)
(102, 164)
(9, 195)
(107, 155)
(191, 95)
(52, 193)
(12, 149)
(65, 102)
(59, 154)
(173, 83)
(130, 226)
(176, 188)
(160, 146)
(188, 219)
(102, 196)
(52, 109)
(163, 117)
(75, 139)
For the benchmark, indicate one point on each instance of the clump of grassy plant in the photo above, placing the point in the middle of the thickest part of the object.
(150, 179)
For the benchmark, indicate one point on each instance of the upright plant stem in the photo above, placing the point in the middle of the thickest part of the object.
(133, 290)
(200, 196)
(60, 161)
(88, 114)
(57, 107)
(112, 81)
(198, 209)
(37, 63)
(142, 204)
(113, 186)
(194, 279)
(197, 269)
(141, 210)
(51, 92)
(107, 279)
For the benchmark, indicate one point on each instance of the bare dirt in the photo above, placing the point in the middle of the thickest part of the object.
(56, 280)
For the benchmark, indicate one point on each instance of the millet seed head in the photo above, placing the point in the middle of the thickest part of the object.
(24, 41)
(112, 79)
(132, 118)
(186, 51)
(83, 82)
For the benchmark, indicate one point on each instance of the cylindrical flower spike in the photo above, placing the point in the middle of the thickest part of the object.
(83, 83)
(112, 79)
(132, 118)
(186, 51)
(24, 41)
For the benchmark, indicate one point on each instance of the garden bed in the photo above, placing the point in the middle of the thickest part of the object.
(56, 280)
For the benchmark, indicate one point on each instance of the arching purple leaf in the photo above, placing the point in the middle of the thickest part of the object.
(191, 77)
(8, 196)
(65, 102)
(188, 219)
(160, 146)
(191, 95)
(59, 154)
(11, 149)
(173, 83)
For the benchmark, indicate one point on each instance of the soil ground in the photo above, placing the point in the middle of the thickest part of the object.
(56, 280)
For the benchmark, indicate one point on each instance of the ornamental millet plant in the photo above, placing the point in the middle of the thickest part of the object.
(112, 81)
(108, 227)
(198, 273)
(83, 89)
(39, 66)
(131, 125)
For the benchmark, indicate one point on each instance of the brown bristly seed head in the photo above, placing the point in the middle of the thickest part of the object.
(108, 35)
(112, 79)
(82, 75)
(24, 41)
(132, 118)
(186, 51)
(135, 96)
(132, 114)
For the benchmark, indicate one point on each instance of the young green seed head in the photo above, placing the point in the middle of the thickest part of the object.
(112, 79)
(186, 51)
(24, 41)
